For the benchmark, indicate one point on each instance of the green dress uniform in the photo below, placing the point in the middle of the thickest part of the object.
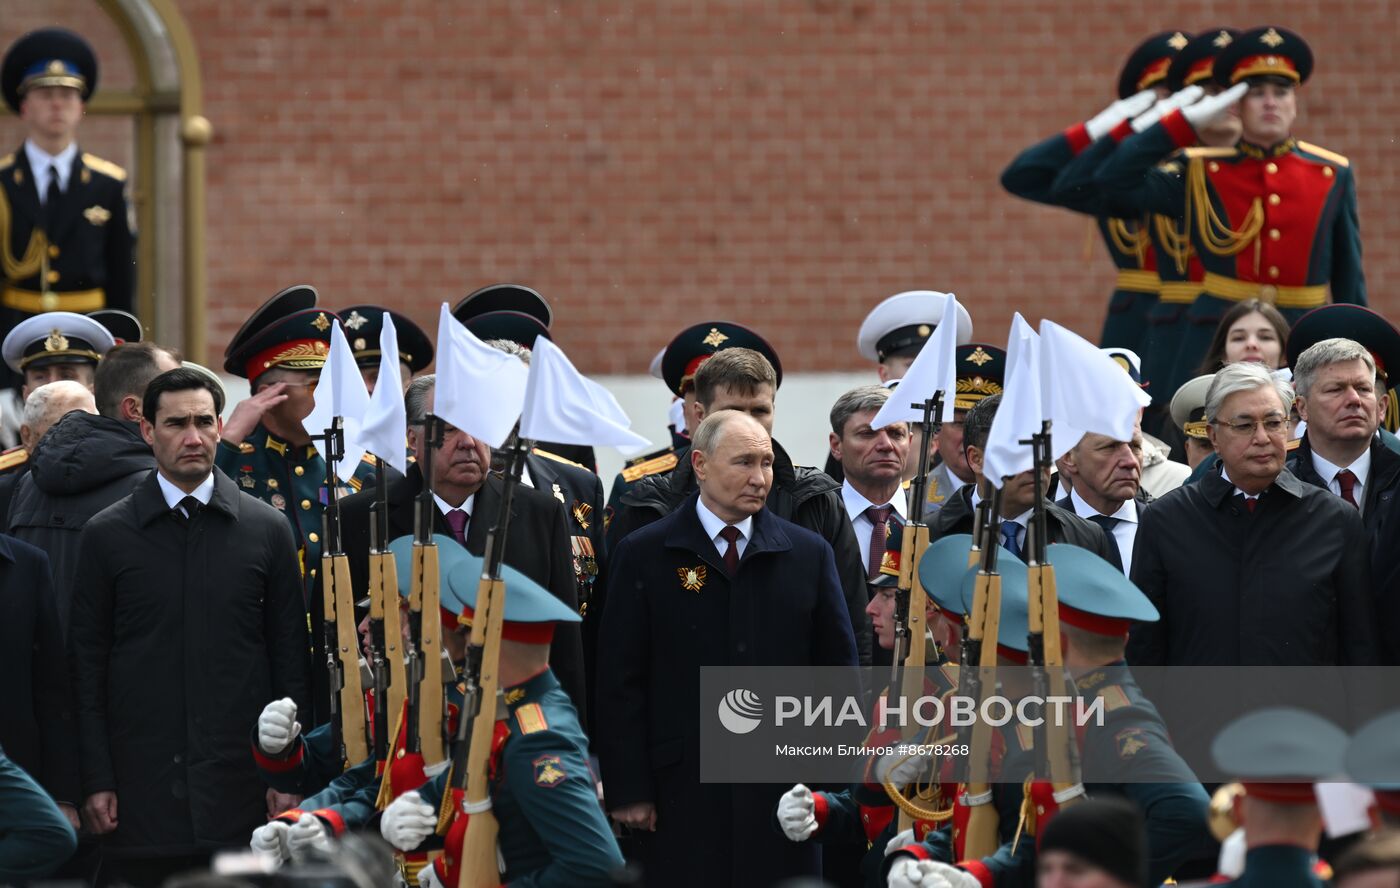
(35, 838)
(1276, 223)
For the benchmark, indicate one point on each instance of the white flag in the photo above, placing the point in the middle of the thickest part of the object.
(1019, 414)
(934, 370)
(563, 406)
(479, 390)
(1084, 389)
(383, 431)
(340, 392)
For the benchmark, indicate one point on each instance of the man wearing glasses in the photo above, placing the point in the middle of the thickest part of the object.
(1251, 566)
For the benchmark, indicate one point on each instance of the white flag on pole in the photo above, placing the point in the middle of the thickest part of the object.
(934, 370)
(479, 390)
(341, 392)
(382, 431)
(1084, 390)
(1019, 415)
(564, 406)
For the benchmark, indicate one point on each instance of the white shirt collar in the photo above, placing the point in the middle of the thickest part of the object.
(713, 524)
(1226, 475)
(1360, 467)
(856, 503)
(444, 507)
(40, 161)
(1023, 519)
(1126, 512)
(204, 492)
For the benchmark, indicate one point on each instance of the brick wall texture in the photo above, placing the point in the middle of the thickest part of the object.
(785, 163)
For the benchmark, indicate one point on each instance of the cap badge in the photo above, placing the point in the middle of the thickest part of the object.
(1271, 39)
(1222, 40)
(321, 323)
(692, 578)
(56, 67)
(56, 341)
(1177, 41)
(355, 321)
(714, 338)
(979, 357)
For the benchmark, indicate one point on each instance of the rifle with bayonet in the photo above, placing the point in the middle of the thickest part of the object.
(386, 635)
(977, 680)
(423, 728)
(347, 698)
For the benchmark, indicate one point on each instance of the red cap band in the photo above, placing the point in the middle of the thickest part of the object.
(1265, 65)
(1093, 622)
(525, 633)
(1200, 71)
(302, 349)
(1282, 793)
(1154, 72)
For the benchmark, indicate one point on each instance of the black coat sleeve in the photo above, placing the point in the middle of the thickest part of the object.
(53, 697)
(566, 653)
(284, 617)
(119, 256)
(89, 646)
(1356, 611)
(624, 660)
(833, 643)
(1147, 643)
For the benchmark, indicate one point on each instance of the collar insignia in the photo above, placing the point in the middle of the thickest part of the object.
(692, 578)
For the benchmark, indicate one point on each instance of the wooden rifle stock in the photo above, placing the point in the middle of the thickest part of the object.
(911, 685)
(479, 841)
(1058, 760)
(340, 608)
(429, 649)
(983, 628)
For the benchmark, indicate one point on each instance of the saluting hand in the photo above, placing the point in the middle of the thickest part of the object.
(641, 815)
(1178, 99)
(100, 812)
(1206, 110)
(1102, 124)
(797, 813)
(246, 416)
(278, 726)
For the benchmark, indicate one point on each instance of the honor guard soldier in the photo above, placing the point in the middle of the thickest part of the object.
(363, 324)
(1373, 759)
(679, 360)
(1271, 217)
(551, 827)
(1032, 175)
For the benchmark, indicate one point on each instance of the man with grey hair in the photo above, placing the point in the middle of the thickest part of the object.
(872, 463)
(721, 580)
(45, 406)
(1250, 566)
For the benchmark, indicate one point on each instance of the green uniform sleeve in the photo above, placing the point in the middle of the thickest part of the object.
(1130, 179)
(1032, 174)
(1348, 280)
(35, 837)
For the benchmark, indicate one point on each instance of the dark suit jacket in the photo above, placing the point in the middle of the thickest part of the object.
(784, 607)
(537, 546)
(956, 516)
(37, 729)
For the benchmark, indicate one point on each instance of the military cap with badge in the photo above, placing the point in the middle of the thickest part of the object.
(512, 312)
(1267, 52)
(364, 323)
(56, 337)
(900, 325)
(1148, 64)
(1194, 65)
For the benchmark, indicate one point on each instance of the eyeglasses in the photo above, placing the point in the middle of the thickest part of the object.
(1273, 427)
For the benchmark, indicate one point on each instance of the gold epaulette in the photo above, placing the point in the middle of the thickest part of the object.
(1323, 153)
(7, 161)
(1169, 166)
(369, 460)
(655, 466)
(1207, 151)
(531, 719)
(15, 456)
(245, 447)
(1293, 444)
(646, 457)
(1113, 697)
(557, 458)
(105, 167)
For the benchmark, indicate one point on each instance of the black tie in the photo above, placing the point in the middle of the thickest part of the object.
(53, 192)
(1107, 522)
(187, 508)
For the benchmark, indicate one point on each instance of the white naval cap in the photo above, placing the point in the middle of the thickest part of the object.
(55, 337)
(904, 322)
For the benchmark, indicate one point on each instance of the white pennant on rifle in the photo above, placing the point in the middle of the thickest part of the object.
(934, 370)
(382, 431)
(1084, 390)
(1019, 413)
(564, 406)
(480, 390)
(340, 392)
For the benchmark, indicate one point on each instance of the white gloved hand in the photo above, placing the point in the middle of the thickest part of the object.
(900, 840)
(427, 877)
(797, 813)
(909, 873)
(900, 768)
(1206, 110)
(407, 821)
(271, 839)
(1102, 124)
(308, 834)
(1178, 99)
(1232, 855)
(278, 726)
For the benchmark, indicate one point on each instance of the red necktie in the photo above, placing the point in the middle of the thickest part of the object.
(731, 554)
(1250, 502)
(879, 530)
(457, 520)
(1347, 481)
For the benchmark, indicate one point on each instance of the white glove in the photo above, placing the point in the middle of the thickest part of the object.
(1102, 124)
(1206, 110)
(901, 840)
(797, 813)
(407, 821)
(427, 877)
(1179, 99)
(1232, 855)
(271, 839)
(278, 726)
(910, 873)
(308, 834)
(900, 768)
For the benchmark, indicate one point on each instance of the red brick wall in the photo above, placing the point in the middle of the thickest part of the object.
(647, 165)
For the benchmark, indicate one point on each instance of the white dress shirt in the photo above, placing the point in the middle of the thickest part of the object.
(1361, 468)
(1226, 475)
(1124, 532)
(713, 524)
(173, 495)
(444, 507)
(40, 162)
(856, 504)
(1020, 522)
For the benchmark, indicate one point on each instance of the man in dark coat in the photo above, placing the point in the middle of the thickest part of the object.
(87, 463)
(468, 499)
(1018, 497)
(1250, 566)
(721, 581)
(187, 617)
(36, 715)
(743, 379)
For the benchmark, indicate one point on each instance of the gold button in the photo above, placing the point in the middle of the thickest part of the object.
(1275, 200)
(313, 571)
(1273, 271)
(1327, 172)
(300, 471)
(1275, 234)
(49, 302)
(52, 277)
(53, 251)
(306, 504)
(1040, 809)
(402, 753)
(313, 537)
(1268, 293)
(1271, 167)
(1214, 167)
(271, 483)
